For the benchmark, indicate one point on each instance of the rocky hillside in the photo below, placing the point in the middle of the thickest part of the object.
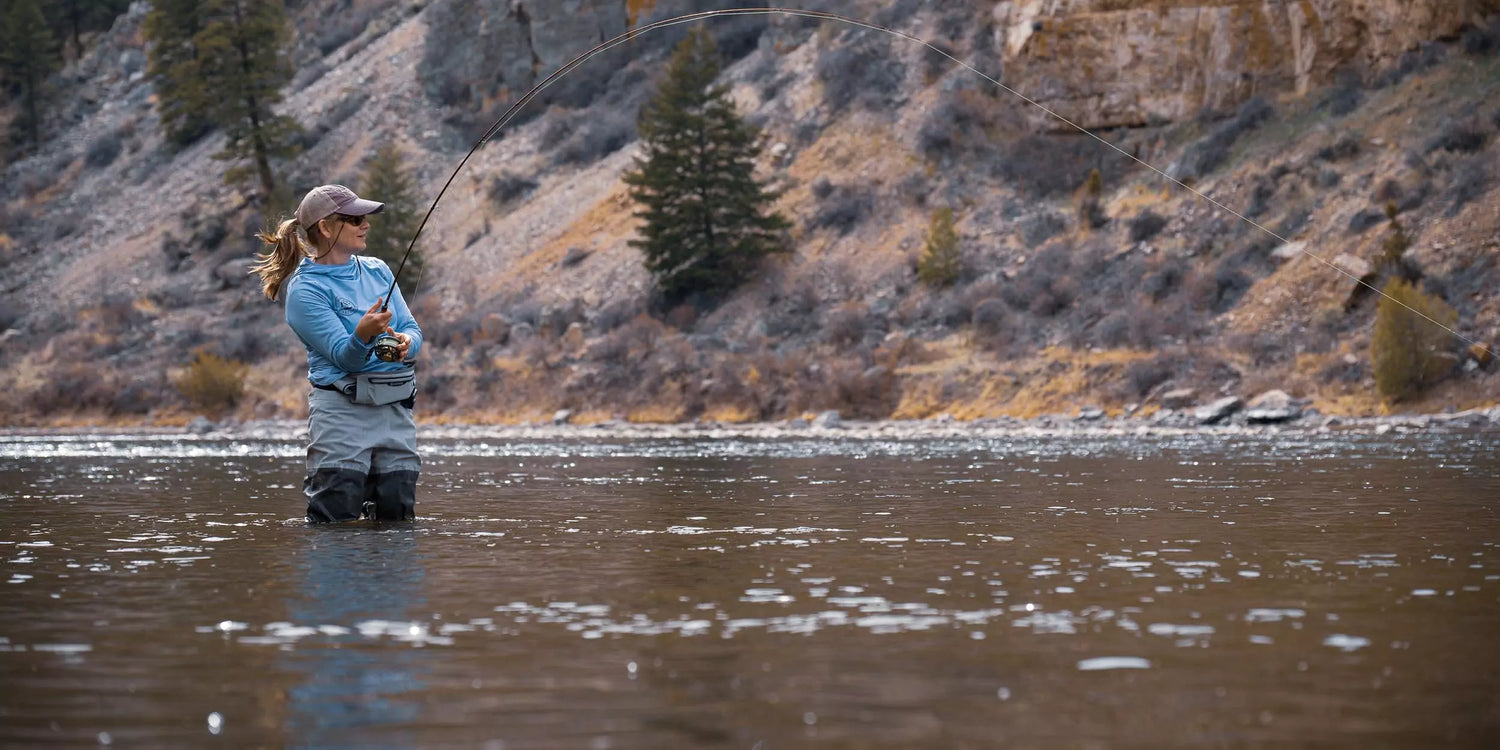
(124, 257)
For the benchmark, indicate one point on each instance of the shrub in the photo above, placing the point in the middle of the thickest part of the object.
(1346, 147)
(1086, 201)
(846, 324)
(508, 187)
(1480, 41)
(1411, 346)
(841, 207)
(1344, 99)
(1363, 220)
(991, 324)
(1260, 197)
(1160, 284)
(1146, 225)
(1470, 180)
(864, 71)
(1396, 243)
(1208, 153)
(1414, 61)
(103, 151)
(1041, 227)
(939, 264)
(1143, 375)
(1465, 136)
(212, 383)
(1046, 165)
(600, 136)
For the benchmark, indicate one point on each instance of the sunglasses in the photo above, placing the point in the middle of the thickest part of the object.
(351, 220)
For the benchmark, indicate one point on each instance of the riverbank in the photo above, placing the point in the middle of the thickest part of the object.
(829, 424)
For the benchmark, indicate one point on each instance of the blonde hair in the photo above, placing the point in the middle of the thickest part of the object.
(286, 252)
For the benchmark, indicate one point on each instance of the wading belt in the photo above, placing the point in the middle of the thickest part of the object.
(376, 388)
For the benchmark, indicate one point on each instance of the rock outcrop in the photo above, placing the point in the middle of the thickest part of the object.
(481, 51)
(1108, 63)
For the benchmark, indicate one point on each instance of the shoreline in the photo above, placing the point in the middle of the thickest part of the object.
(830, 426)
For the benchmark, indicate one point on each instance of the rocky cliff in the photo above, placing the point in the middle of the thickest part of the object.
(1111, 63)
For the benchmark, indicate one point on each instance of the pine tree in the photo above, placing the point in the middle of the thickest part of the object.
(1409, 352)
(77, 16)
(183, 99)
(226, 66)
(386, 180)
(939, 264)
(707, 220)
(28, 53)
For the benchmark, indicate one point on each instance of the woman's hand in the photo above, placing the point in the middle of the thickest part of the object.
(373, 323)
(405, 343)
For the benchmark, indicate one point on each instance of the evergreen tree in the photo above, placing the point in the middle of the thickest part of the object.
(226, 66)
(386, 180)
(939, 264)
(77, 16)
(28, 53)
(707, 220)
(183, 99)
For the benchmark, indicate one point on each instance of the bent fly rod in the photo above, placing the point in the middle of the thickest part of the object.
(605, 46)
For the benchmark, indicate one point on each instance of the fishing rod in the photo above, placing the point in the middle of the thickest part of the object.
(605, 46)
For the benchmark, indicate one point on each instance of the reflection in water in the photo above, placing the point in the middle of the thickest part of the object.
(358, 582)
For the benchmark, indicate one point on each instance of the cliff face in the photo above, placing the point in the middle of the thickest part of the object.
(1107, 63)
(495, 49)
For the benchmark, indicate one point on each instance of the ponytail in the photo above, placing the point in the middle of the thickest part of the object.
(281, 259)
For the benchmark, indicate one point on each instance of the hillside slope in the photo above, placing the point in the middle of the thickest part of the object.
(123, 258)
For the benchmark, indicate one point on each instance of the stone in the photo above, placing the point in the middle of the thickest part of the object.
(1217, 411)
(574, 335)
(1481, 354)
(562, 416)
(495, 328)
(1359, 268)
(828, 420)
(1090, 414)
(233, 273)
(201, 425)
(1179, 398)
(1290, 250)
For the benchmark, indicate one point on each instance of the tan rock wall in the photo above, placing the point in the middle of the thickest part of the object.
(1106, 63)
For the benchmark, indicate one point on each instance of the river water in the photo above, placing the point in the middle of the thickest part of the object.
(1031, 591)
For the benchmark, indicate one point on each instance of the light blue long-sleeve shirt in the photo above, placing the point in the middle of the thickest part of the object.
(323, 305)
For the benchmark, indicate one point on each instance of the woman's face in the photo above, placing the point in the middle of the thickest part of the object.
(347, 232)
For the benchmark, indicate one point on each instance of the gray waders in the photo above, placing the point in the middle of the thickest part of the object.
(362, 460)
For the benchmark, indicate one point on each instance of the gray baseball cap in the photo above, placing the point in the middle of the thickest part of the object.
(326, 200)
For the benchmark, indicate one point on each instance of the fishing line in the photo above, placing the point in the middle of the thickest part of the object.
(573, 64)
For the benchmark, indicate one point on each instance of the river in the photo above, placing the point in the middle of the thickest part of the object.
(1278, 589)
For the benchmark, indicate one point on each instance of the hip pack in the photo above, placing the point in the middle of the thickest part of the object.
(379, 388)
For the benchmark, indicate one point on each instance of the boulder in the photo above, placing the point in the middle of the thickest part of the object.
(1217, 411)
(828, 420)
(1179, 398)
(574, 335)
(1358, 268)
(1290, 250)
(495, 328)
(562, 417)
(1272, 407)
(1090, 414)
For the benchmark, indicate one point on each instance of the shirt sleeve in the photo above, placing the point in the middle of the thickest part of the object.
(314, 320)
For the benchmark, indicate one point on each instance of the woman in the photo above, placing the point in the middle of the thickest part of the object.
(362, 459)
